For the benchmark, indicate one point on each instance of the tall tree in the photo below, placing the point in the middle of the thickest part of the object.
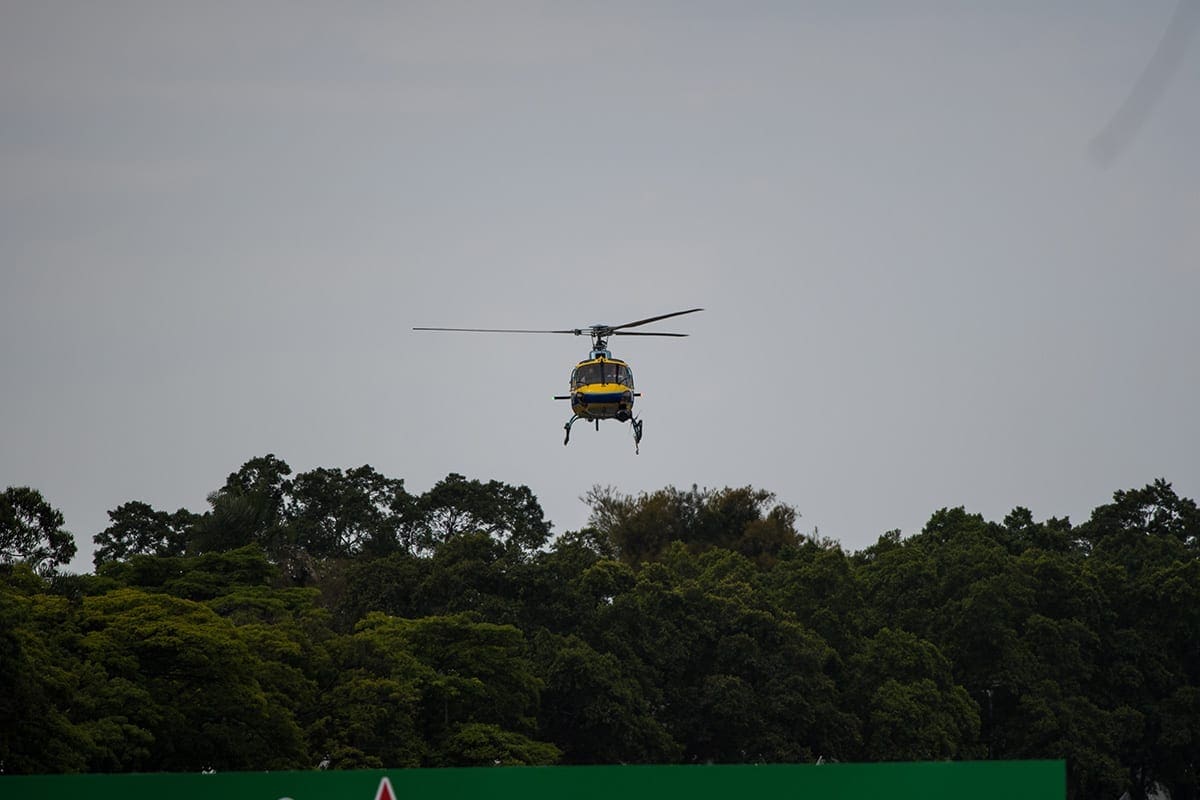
(456, 505)
(1145, 546)
(336, 514)
(138, 529)
(248, 509)
(31, 530)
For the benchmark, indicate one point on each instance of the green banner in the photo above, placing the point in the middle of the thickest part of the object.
(979, 780)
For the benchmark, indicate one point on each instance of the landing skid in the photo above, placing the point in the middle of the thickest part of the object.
(636, 424)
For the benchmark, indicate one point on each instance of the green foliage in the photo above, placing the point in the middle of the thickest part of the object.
(436, 691)
(369, 713)
(388, 584)
(510, 514)
(641, 528)
(197, 693)
(481, 672)
(819, 585)
(195, 577)
(910, 705)
(336, 514)
(248, 509)
(137, 529)
(735, 681)
(31, 531)
(477, 744)
(36, 689)
(303, 521)
(330, 616)
(594, 710)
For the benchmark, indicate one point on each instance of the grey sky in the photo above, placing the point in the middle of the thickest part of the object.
(218, 223)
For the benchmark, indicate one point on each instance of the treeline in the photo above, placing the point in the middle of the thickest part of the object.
(331, 616)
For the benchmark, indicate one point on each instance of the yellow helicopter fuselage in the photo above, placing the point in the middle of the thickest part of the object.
(602, 388)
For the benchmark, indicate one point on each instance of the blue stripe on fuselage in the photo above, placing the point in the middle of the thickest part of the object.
(602, 397)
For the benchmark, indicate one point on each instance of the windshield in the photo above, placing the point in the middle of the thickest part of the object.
(602, 372)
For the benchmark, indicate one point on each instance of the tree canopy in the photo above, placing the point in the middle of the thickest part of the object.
(31, 530)
(332, 615)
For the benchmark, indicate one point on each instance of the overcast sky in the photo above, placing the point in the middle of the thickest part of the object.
(927, 281)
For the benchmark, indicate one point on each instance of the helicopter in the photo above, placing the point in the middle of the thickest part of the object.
(601, 386)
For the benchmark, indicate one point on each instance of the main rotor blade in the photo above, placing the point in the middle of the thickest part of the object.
(655, 319)
(645, 333)
(492, 330)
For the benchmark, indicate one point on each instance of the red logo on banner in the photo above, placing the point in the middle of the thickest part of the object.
(385, 790)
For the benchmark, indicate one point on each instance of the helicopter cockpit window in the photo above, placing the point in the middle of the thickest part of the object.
(602, 372)
(588, 373)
